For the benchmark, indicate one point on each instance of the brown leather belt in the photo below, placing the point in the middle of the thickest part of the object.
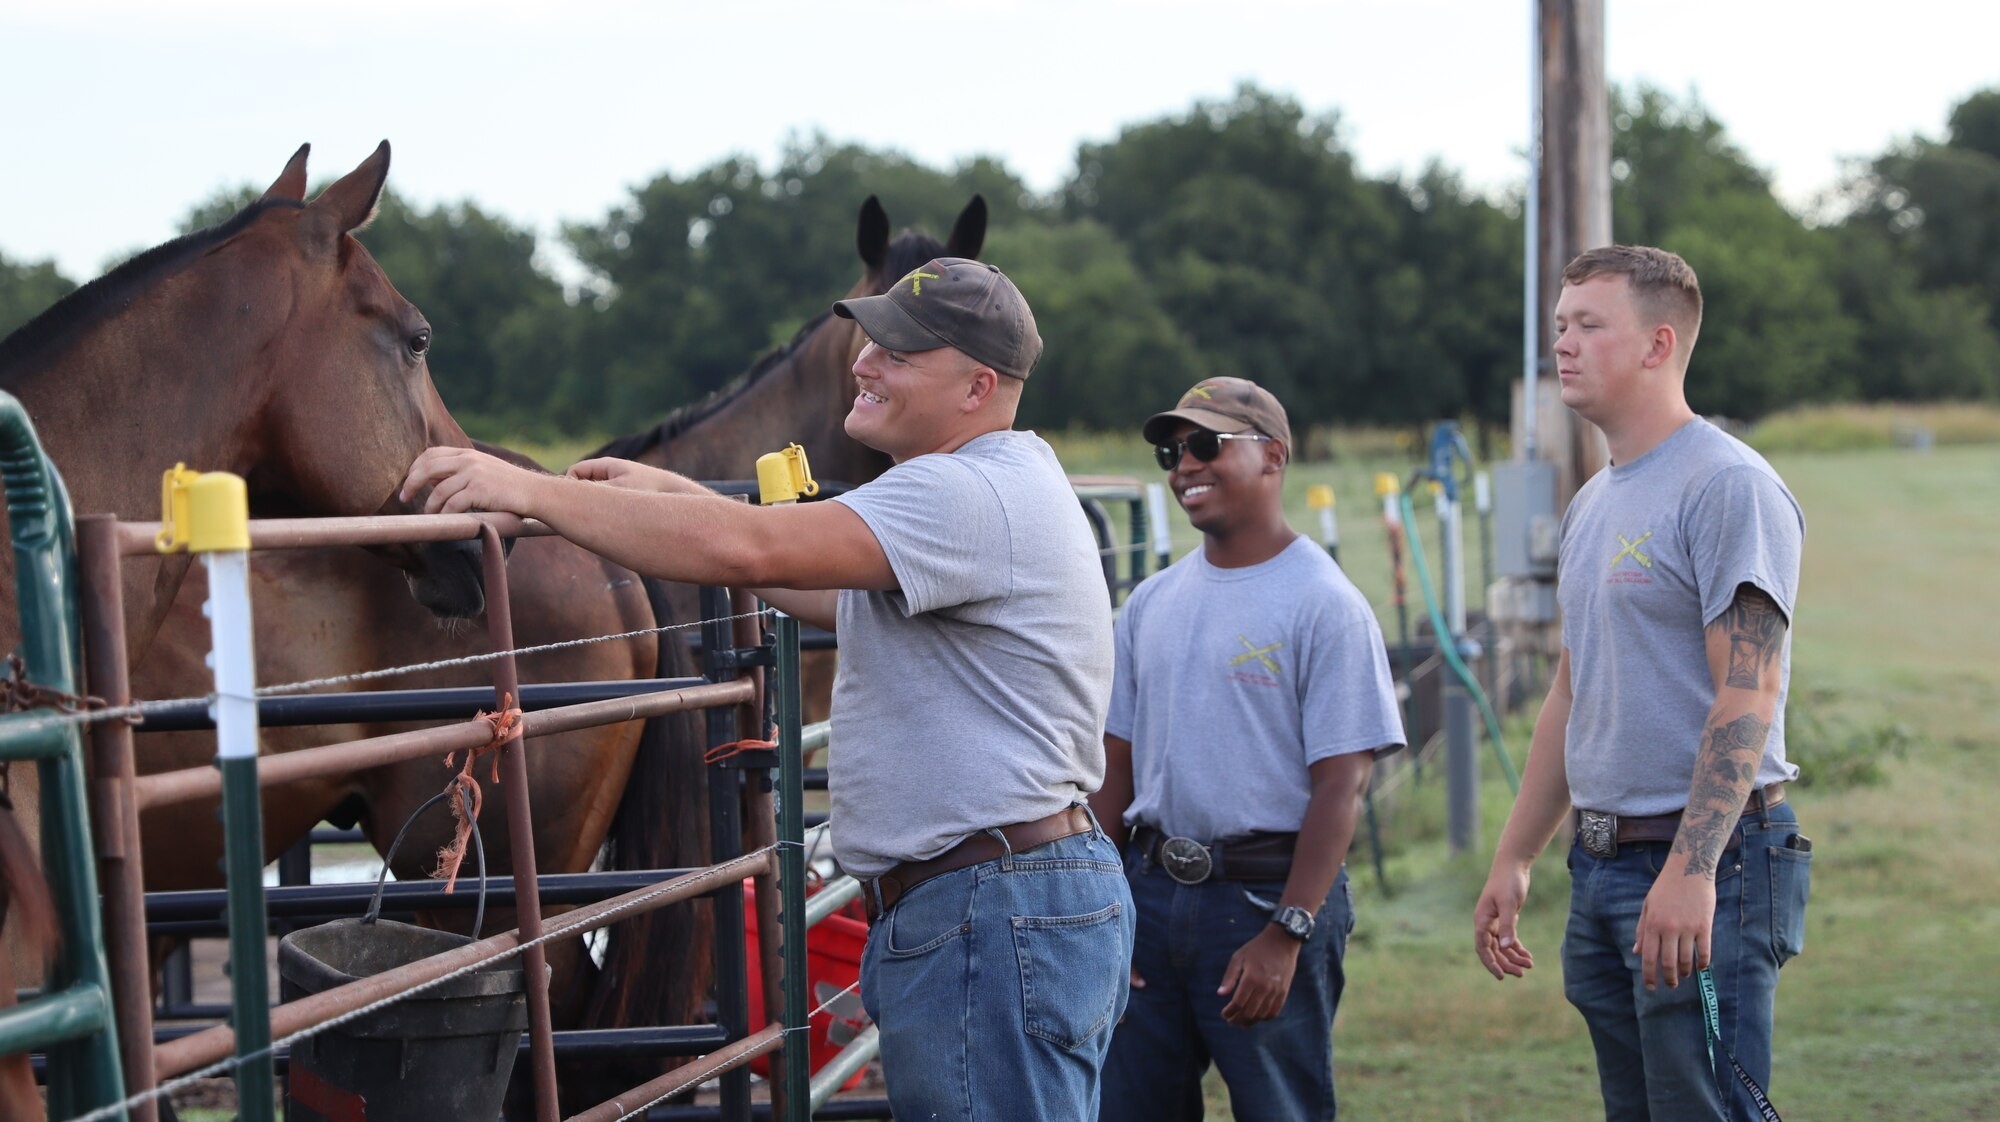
(1265, 856)
(879, 894)
(1601, 833)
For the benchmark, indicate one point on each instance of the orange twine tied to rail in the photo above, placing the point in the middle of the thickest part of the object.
(506, 725)
(722, 752)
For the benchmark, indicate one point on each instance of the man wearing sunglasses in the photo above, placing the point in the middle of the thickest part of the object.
(975, 639)
(1251, 696)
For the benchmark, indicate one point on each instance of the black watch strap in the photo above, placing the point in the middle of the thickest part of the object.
(1294, 921)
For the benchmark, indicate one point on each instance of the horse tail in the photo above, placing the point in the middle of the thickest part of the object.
(24, 892)
(658, 966)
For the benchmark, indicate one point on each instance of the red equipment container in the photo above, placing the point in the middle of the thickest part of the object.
(833, 963)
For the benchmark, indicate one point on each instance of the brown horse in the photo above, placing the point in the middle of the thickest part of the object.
(799, 393)
(272, 346)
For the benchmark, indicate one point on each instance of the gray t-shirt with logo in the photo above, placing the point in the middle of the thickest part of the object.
(1652, 553)
(974, 695)
(1231, 683)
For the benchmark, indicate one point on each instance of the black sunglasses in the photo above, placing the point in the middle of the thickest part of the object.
(1203, 444)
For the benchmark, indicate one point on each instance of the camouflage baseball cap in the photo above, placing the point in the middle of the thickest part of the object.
(1224, 405)
(953, 302)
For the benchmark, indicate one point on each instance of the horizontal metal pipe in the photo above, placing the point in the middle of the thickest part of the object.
(815, 736)
(339, 759)
(403, 705)
(575, 1044)
(331, 901)
(830, 899)
(835, 1109)
(846, 1062)
(23, 740)
(206, 1047)
(69, 1014)
(770, 1039)
(138, 539)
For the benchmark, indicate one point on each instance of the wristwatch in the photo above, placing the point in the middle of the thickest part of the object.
(1294, 921)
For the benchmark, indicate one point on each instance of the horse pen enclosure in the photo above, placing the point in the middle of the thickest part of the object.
(98, 1020)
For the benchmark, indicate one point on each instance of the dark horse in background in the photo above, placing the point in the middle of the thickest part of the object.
(800, 393)
(271, 346)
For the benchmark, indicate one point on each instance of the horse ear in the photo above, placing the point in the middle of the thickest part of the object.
(871, 236)
(968, 234)
(291, 183)
(349, 204)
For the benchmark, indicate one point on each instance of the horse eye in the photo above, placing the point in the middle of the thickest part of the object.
(420, 342)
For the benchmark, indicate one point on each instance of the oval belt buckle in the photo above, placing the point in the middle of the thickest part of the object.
(1186, 860)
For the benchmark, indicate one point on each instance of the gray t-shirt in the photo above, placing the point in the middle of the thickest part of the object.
(1232, 682)
(974, 696)
(1652, 553)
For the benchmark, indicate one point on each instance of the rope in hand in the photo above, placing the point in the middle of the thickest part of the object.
(507, 728)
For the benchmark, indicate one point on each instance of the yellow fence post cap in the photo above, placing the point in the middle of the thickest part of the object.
(1319, 496)
(1386, 485)
(203, 512)
(784, 475)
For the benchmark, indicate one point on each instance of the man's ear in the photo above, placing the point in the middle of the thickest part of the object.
(985, 381)
(1663, 342)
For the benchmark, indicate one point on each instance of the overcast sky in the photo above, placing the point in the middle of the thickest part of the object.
(121, 115)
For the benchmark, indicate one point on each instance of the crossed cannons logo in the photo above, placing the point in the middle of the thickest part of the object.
(1631, 549)
(1261, 655)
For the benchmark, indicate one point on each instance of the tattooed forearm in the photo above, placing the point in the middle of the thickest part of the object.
(1756, 631)
(1725, 773)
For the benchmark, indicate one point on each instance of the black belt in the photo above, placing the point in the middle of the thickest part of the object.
(1260, 856)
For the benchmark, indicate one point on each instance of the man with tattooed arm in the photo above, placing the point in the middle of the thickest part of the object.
(1664, 729)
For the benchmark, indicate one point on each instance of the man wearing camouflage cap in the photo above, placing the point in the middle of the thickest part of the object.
(1251, 696)
(975, 639)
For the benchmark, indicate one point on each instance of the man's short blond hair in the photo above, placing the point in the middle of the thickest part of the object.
(1663, 285)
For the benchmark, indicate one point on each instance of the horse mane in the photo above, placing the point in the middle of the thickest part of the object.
(908, 250)
(687, 416)
(111, 293)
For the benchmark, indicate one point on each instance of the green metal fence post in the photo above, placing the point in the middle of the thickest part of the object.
(792, 874)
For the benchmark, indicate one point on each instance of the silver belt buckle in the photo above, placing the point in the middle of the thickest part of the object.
(1186, 860)
(1598, 833)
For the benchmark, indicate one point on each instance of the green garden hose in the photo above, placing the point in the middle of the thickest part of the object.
(1448, 646)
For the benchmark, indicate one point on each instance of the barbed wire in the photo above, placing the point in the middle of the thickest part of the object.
(138, 711)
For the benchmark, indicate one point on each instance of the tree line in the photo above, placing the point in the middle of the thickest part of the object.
(1236, 238)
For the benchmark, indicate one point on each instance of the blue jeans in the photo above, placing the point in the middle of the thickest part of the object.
(1280, 1069)
(995, 987)
(1652, 1050)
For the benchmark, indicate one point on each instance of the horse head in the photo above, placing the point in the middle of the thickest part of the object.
(888, 259)
(353, 401)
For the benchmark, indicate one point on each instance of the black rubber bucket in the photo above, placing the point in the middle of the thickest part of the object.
(441, 1055)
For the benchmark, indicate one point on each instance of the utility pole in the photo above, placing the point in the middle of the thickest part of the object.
(1568, 210)
(1575, 197)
